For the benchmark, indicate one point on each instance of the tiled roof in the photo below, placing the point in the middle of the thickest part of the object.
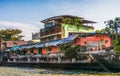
(14, 43)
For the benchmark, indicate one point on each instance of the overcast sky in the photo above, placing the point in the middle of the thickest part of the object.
(27, 14)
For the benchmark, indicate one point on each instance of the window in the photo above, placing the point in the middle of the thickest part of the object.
(51, 38)
(50, 24)
(85, 42)
(4, 45)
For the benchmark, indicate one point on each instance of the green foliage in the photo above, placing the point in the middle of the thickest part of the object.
(117, 45)
(106, 30)
(11, 34)
(72, 52)
(113, 25)
(64, 47)
(73, 21)
(117, 49)
(98, 31)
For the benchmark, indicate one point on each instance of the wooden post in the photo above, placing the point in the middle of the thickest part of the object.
(0, 50)
(38, 59)
(28, 59)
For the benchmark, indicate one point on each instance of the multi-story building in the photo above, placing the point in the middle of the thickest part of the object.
(35, 37)
(55, 29)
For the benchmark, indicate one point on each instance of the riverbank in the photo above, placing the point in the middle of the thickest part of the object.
(21, 71)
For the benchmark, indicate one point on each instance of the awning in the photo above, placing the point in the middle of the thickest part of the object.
(14, 48)
(72, 37)
(63, 41)
(51, 43)
(67, 40)
(28, 46)
(22, 47)
(40, 45)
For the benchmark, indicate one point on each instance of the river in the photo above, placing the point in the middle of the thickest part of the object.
(27, 71)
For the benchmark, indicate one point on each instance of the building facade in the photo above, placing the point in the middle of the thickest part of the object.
(35, 37)
(55, 29)
(6, 45)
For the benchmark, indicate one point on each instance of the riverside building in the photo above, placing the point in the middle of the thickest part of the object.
(55, 28)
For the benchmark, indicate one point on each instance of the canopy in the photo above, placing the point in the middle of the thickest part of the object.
(14, 48)
(67, 40)
(52, 43)
(28, 46)
(22, 47)
(63, 41)
(40, 45)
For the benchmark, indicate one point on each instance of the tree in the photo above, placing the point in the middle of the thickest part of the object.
(11, 34)
(72, 52)
(117, 45)
(106, 30)
(65, 47)
(114, 25)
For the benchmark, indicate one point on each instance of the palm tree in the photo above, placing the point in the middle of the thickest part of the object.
(114, 25)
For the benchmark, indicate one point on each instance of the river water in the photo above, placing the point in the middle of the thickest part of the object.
(27, 71)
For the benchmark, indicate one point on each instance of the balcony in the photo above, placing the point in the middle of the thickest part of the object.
(50, 30)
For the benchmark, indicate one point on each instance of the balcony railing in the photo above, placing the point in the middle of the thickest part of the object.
(50, 30)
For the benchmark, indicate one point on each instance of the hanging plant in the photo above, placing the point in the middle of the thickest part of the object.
(73, 21)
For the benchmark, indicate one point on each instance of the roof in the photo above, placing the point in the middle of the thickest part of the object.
(14, 43)
(88, 21)
(55, 42)
(91, 34)
(27, 46)
(59, 17)
(67, 40)
(47, 44)
(14, 48)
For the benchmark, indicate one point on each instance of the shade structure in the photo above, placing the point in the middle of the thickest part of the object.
(22, 47)
(52, 43)
(62, 41)
(67, 40)
(39, 45)
(14, 48)
(29, 46)
(47, 44)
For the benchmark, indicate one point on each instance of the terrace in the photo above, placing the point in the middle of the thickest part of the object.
(50, 30)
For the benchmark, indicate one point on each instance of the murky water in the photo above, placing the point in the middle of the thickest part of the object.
(26, 71)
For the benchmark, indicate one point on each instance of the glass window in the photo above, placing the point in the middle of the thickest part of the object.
(50, 24)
